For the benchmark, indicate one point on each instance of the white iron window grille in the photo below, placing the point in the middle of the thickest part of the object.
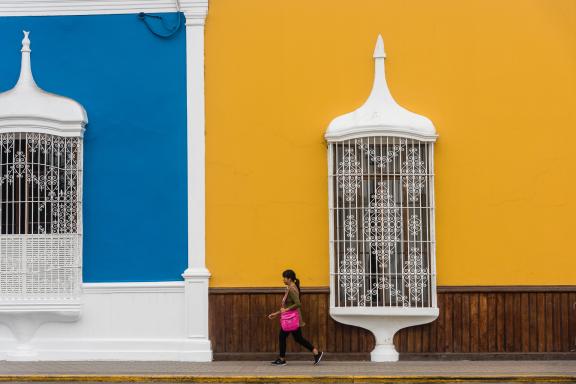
(40, 216)
(382, 219)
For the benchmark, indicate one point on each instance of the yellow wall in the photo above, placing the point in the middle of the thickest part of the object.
(498, 79)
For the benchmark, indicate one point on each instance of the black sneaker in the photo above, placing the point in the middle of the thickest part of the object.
(278, 362)
(318, 357)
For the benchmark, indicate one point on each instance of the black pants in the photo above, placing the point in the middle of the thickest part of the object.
(297, 336)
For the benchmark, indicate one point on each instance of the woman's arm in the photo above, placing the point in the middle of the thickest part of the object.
(273, 315)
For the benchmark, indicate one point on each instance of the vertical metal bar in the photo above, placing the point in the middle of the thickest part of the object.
(79, 212)
(375, 245)
(337, 223)
(349, 203)
(30, 261)
(426, 233)
(361, 257)
(13, 200)
(351, 272)
(363, 214)
(404, 214)
(47, 170)
(379, 211)
(54, 246)
(384, 243)
(419, 271)
(433, 227)
(410, 212)
(331, 223)
(3, 251)
(392, 242)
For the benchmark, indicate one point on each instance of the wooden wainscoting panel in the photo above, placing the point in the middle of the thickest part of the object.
(474, 322)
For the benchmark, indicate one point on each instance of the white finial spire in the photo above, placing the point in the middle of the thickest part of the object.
(26, 79)
(379, 49)
(380, 92)
(26, 42)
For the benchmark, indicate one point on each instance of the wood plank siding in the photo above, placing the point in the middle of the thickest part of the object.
(474, 322)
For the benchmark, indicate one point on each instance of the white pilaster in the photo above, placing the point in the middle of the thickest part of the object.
(196, 275)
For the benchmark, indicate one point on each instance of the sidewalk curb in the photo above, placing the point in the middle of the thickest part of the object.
(292, 378)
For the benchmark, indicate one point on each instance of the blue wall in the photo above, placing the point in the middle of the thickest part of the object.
(133, 87)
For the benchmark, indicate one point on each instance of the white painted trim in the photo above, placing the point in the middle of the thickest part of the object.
(113, 349)
(41, 125)
(192, 8)
(196, 275)
(134, 287)
(195, 145)
(377, 131)
(39, 306)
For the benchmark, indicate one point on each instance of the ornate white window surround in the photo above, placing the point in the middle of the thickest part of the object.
(196, 276)
(381, 204)
(41, 206)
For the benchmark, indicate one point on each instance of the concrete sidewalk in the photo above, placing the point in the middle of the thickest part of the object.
(297, 371)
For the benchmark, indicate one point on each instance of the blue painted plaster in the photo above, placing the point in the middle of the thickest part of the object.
(133, 87)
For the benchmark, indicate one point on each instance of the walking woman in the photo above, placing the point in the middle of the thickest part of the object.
(291, 319)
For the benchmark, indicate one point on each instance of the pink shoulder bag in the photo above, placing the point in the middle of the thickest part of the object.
(289, 320)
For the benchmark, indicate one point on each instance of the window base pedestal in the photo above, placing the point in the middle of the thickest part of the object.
(384, 323)
(24, 318)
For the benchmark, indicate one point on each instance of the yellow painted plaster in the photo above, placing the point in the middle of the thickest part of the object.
(498, 79)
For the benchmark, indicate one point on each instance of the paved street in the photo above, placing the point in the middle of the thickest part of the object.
(297, 371)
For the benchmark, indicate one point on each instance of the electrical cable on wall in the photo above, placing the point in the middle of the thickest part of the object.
(172, 30)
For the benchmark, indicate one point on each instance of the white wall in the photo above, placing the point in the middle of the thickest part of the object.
(119, 321)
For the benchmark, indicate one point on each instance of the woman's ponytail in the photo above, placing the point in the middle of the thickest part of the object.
(290, 274)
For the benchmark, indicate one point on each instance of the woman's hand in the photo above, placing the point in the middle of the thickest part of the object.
(272, 315)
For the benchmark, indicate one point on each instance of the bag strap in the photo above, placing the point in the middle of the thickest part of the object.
(285, 295)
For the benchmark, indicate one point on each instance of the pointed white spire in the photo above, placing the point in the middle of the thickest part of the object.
(379, 49)
(380, 115)
(26, 42)
(26, 79)
(380, 89)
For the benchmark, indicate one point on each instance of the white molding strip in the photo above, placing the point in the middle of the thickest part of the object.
(192, 8)
(109, 349)
(134, 287)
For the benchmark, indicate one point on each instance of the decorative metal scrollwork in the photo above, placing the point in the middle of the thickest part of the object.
(349, 174)
(383, 244)
(383, 223)
(414, 169)
(40, 210)
(352, 272)
(38, 173)
(383, 160)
